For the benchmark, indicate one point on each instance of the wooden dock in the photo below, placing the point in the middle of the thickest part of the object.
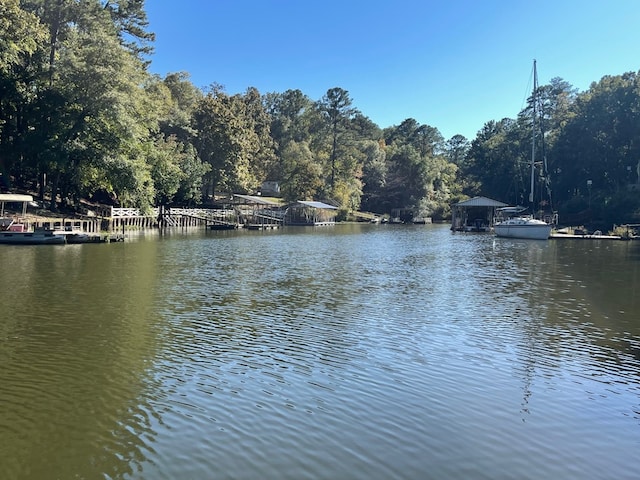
(262, 226)
(573, 236)
(74, 237)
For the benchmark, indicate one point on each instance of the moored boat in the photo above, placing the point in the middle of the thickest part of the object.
(523, 227)
(16, 232)
(38, 236)
(514, 224)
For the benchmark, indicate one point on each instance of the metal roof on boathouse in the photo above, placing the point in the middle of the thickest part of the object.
(480, 202)
(313, 204)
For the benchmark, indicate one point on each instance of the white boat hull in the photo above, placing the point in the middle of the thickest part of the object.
(523, 228)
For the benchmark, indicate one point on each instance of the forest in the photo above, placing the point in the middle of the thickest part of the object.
(83, 119)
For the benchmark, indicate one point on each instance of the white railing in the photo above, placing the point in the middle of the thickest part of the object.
(193, 212)
(132, 212)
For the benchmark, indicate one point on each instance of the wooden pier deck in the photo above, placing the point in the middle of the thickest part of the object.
(262, 226)
(572, 236)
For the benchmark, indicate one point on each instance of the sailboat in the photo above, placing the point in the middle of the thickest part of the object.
(517, 224)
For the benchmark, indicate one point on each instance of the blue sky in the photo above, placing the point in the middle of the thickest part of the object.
(450, 64)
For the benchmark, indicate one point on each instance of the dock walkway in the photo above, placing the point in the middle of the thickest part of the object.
(572, 236)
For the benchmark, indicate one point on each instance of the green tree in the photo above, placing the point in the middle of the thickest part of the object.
(104, 112)
(420, 179)
(301, 175)
(291, 116)
(374, 176)
(289, 113)
(166, 173)
(88, 112)
(193, 173)
(258, 121)
(130, 20)
(22, 52)
(496, 164)
(456, 149)
(601, 141)
(182, 102)
(233, 139)
(407, 176)
(22, 35)
(336, 109)
(176, 172)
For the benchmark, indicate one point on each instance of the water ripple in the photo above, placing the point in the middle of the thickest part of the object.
(366, 352)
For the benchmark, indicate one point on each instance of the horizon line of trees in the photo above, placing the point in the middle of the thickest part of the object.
(81, 117)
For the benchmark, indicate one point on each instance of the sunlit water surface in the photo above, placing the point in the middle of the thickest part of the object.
(354, 352)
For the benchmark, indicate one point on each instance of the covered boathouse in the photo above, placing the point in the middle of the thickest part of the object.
(257, 213)
(474, 215)
(310, 213)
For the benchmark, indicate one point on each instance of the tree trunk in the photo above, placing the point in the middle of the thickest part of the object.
(54, 192)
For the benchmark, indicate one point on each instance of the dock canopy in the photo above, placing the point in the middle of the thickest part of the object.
(314, 204)
(255, 200)
(14, 198)
(480, 202)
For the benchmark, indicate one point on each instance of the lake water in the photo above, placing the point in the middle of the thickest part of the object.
(354, 352)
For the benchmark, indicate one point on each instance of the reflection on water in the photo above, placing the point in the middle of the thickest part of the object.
(349, 352)
(72, 352)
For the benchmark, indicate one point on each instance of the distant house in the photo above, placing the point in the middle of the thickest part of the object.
(310, 213)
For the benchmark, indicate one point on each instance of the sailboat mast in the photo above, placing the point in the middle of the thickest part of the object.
(533, 134)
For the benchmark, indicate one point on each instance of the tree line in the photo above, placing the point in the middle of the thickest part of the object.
(82, 117)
